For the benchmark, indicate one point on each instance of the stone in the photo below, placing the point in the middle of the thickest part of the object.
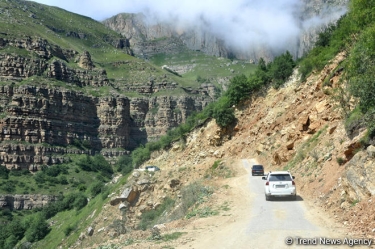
(117, 200)
(130, 194)
(143, 182)
(174, 183)
(85, 61)
(123, 206)
(321, 106)
(290, 146)
(90, 231)
(371, 151)
(331, 129)
(136, 174)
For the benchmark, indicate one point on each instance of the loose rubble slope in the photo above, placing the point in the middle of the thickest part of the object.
(298, 127)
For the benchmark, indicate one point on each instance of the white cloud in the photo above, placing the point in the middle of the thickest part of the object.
(239, 22)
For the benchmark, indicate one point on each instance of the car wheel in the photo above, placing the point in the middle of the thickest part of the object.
(295, 197)
(267, 197)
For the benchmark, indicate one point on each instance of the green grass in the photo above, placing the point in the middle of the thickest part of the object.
(172, 236)
(79, 220)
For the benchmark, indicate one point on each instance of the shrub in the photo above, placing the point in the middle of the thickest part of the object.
(216, 164)
(96, 188)
(37, 228)
(340, 160)
(281, 69)
(238, 89)
(4, 172)
(140, 155)
(194, 193)
(69, 229)
(124, 164)
(223, 112)
(151, 217)
(96, 163)
(80, 201)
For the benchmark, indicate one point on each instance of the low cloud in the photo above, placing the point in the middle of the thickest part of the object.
(240, 23)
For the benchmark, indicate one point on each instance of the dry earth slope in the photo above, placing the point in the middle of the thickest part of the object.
(298, 127)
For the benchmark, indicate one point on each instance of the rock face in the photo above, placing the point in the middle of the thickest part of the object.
(147, 40)
(37, 116)
(360, 171)
(152, 117)
(40, 123)
(25, 202)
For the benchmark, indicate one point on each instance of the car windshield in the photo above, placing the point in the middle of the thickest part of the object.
(280, 177)
(257, 167)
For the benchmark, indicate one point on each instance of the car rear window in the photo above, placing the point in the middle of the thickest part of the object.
(257, 167)
(280, 177)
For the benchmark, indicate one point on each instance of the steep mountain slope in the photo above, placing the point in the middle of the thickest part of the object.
(298, 128)
(148, 38)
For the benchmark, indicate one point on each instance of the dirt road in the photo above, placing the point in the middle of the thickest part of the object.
(257, 223)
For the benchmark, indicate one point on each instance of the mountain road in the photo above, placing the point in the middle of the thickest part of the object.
(257, 223)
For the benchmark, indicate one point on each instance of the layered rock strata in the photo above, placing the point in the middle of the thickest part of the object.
(25, 202)
(35, 118)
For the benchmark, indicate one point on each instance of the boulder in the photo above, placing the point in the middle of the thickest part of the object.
(90, 231)
(174, 183)
(371, 151)
(130, 194)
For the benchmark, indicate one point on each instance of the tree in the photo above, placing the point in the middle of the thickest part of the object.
(281, 69)
(124, 164)
(37, 228)
(223, 112)
(238, 89)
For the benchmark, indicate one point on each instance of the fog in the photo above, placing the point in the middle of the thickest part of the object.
(240, 23)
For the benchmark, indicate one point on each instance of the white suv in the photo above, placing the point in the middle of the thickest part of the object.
(279, 184)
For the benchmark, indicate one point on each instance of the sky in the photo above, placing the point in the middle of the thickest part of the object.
(238, 22)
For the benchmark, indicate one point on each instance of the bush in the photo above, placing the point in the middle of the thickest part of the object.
(37, 228)
(96, 163)
(140, 155)
(4, 172)
(151, 217)
(194, 193)
(124, 164)
(238, 89)
(223, 112)
(69, 229)
(96, 188)
(281, 69)
(80, 201)
(73, 200)
(362, 70)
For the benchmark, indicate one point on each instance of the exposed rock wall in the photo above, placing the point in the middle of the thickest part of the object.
(25, 202)
(58, 117)
(15, 67)
(153, 117)
(40, 123)
(148, 39)
(38, 116)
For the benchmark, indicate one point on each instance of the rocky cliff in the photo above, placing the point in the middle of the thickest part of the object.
(56, 108)
(33, 118)
(149, 38)
(25, 202)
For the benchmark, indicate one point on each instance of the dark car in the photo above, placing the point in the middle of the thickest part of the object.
(257, 170)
